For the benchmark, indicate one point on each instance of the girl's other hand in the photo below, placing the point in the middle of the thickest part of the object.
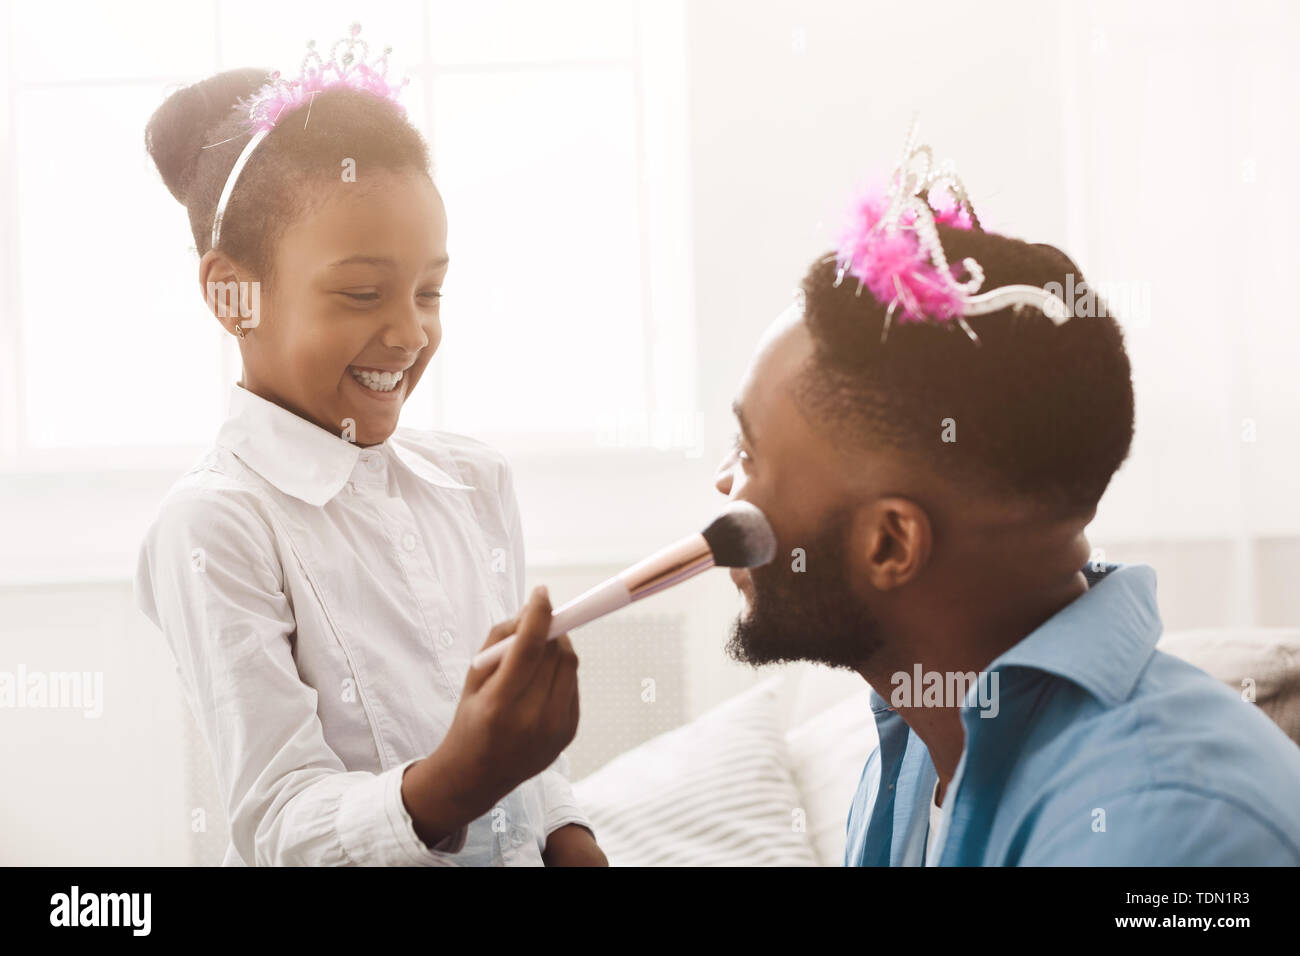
(573, 845)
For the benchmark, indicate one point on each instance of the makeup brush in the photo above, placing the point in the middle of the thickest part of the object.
(740, 537)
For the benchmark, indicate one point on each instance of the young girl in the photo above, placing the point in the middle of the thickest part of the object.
(322, 577)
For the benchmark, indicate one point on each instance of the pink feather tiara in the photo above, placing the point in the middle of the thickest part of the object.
(891, 246)
(347, 68)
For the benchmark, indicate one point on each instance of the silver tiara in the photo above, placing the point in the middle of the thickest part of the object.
(892, 247)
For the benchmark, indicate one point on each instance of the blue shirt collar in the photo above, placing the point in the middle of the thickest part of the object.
(1101, 641)
(1105, 661)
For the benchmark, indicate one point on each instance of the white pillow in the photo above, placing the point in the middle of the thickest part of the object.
(715, 792)
(817, 688)
(827, 754)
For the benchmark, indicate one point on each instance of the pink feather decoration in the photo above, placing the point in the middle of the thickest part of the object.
(891, 263)
(268, 104)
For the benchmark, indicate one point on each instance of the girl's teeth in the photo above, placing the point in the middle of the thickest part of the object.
(376, 381)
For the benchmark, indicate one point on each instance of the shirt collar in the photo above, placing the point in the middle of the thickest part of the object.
(301, 458)
(423, 466)
(1101, 640)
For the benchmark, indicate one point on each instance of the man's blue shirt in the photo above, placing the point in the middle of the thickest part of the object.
(1098, 750)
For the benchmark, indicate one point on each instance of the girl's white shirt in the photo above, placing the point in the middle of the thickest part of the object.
(322, 603)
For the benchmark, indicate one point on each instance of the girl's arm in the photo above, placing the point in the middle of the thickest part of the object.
(209, 577)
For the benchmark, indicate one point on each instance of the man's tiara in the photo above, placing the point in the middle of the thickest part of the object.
(892, 247)
(347, 67)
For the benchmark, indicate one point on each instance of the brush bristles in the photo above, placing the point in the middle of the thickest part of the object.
(741, 537)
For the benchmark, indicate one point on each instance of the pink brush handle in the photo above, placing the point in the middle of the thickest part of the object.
(585, 608)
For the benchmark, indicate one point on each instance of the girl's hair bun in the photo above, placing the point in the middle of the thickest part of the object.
(179, 127)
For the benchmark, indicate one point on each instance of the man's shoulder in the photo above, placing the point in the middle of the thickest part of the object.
(1178, 723)
(1182, 753)
(1192, 721)
(1164, 824)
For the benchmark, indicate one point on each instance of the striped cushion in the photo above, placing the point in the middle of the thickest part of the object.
(715, 792)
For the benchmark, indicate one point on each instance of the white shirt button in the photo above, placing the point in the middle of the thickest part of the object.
(446, 639)
(408, 541)
(373, 463)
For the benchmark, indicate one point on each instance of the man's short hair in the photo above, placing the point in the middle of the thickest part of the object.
(1040, 412)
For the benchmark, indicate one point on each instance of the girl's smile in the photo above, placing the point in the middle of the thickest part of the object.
(381, 386)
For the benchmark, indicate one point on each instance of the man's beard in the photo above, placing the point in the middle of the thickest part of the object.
(809, 615)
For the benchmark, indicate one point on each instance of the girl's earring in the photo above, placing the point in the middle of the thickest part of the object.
(239, 328)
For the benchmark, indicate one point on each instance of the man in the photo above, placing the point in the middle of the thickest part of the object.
(929, 496)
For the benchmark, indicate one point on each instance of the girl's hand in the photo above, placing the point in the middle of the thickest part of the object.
(513, 720)
(573, 845)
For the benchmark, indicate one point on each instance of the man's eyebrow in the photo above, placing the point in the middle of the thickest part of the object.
(744, 426)
(383, 261)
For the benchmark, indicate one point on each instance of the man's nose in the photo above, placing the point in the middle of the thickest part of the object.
(723, 480)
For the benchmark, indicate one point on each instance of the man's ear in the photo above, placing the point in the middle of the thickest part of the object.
(891, 542)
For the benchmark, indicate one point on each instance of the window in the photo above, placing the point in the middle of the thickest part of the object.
(558, 140)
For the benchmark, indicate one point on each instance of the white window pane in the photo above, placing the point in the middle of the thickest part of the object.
(524, 31)
(543, 315)
(82, 39)
(117, 345)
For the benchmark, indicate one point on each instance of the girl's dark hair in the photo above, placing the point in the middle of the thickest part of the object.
(1043, 413)
(198, 132)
